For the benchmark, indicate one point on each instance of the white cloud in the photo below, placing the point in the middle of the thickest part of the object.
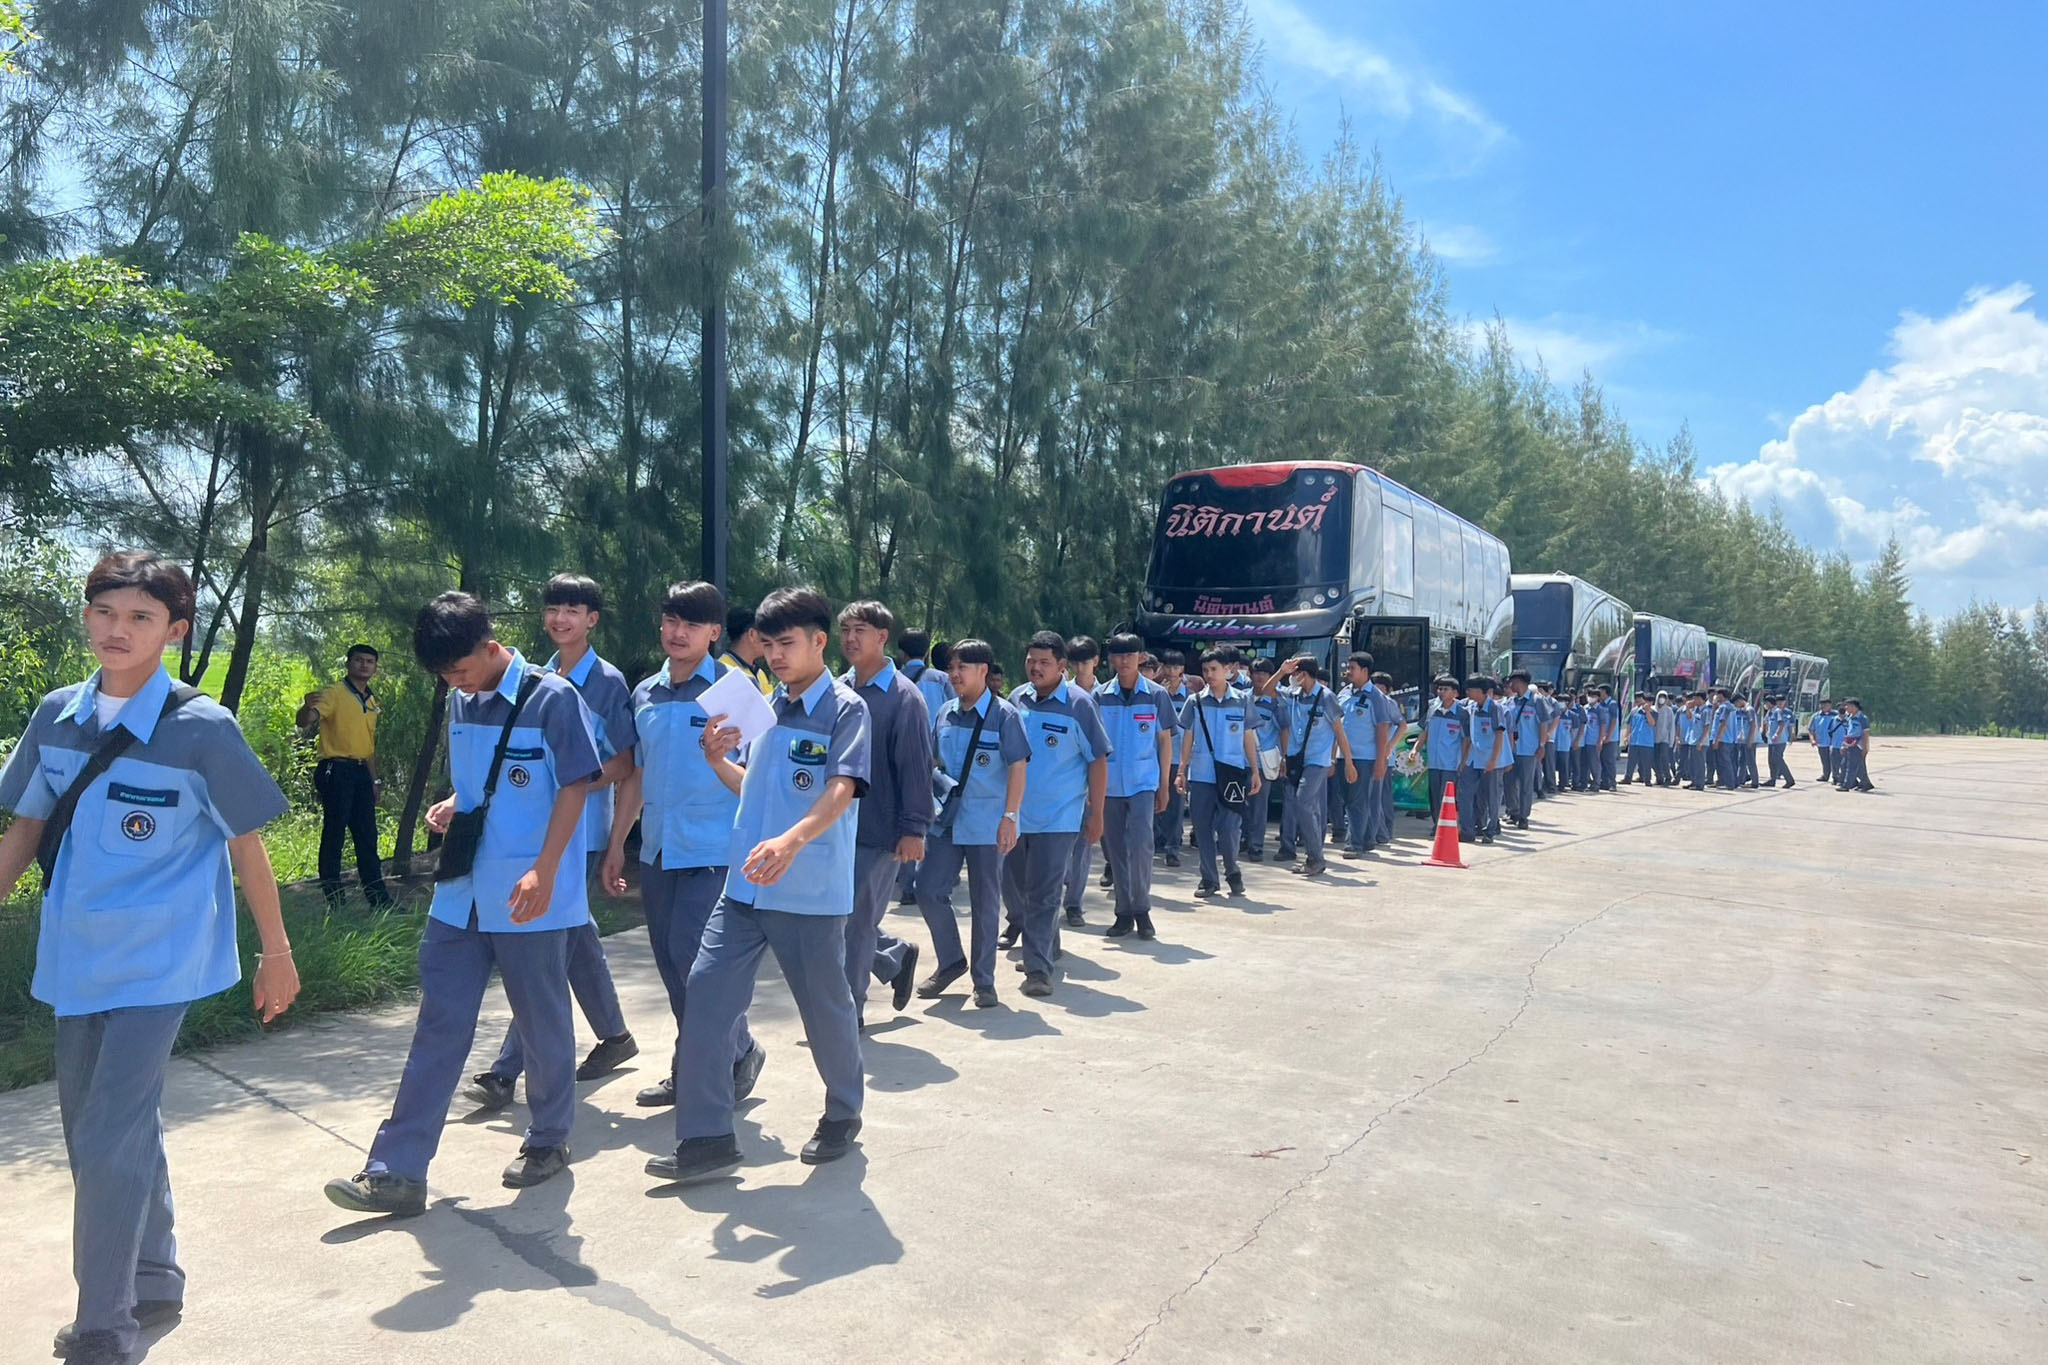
(1397, 90)
(1946, 448)
(1462, 244)
(1567, 344)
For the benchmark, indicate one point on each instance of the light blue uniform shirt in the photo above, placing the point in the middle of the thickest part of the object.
(141, 907)
(1740, 727)
(1827, 729)
(609, 700)
(1484, 720)
(1567, 721)
(1853, 730)
(1321, 741)
(1133, 724)
(1065, 733)
(1589, 726)
(1444, 733)
(686, 818)
(1721, 723)
(1363, 717)
(1269, 723)
(1642, 728)
(978, 815)
(550, 748)
(1778, 725)
(1525, 724)
(932, 682)
(818, 736)
(1227, 718)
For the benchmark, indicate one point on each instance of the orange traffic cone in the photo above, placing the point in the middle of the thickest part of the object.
(1444, 853)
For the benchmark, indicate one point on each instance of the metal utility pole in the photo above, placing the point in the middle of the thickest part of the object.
(712, 358)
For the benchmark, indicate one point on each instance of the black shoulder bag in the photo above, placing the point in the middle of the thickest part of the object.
(1297, 764)
(112, 746)
(950, 789)
(1233, 780)
(466, 827)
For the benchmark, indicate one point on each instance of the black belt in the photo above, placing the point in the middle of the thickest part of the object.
(360, 762)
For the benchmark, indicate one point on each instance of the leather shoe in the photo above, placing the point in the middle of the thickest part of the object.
(901, 984)
(833, 1139)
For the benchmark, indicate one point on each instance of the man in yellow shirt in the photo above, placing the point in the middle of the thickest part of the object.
(745, 650)
(346, 775)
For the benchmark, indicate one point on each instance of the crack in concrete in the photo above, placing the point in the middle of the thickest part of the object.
(251, 1088)
(1173, 1300)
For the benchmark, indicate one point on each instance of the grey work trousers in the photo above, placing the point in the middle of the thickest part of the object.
(1032, 874)
(936, 878)
(1216, 827)
(1303, 814)
(869, 951)
(1127, 847)
(110, 1087)
(811, 950)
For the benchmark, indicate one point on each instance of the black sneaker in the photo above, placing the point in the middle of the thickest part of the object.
(1074, 919)
(1204, 891)
(1145, 931)
(905, 980)
(934, 986)
(1037, 985)
(1172, 858)
(608, 1056)
(833, 1139)
(1236, 885)
(536, 1164)
(1123, 925)
(1314, 869)
(490, 1090)
(1106, 880)
(1257, 855)
(746, 1071)
(697, 1158)
(1353, 854)
(379, 1192)
(1011, 933)
(660, 1095)
(984, 997)
(148, 1313)
(907, 898)
(96, 1348)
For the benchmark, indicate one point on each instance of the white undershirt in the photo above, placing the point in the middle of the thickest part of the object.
(109, 708)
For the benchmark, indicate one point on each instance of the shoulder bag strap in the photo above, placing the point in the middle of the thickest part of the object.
(527, 687)
(112, 746)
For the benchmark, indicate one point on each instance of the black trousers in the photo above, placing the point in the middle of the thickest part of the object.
(348, 807)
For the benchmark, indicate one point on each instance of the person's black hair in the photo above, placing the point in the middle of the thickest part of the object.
(871, 612)
(995, 670)
(915, 643)
(1856, 702)
(942, 656)
(148, 572)
(973, 651)
(1520, 675)
(1383, 680)
(1150, 658)
(572, 590)
(695, 601)
(1361, 658)
(1221, 655)
(1172, 658)
(1265, 663)
(1443, 680)
(356, 649)
(1082, 648)
(1306, 665)
(788, 609)
(448, 630)
(1124, 643)
(1049, 641)
(738, 621)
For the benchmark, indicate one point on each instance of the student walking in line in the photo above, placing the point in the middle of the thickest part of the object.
(979, 750)
(1133, 710)
(1447, 743)
(1642, 743)
(571, 605)
(789, 890)
(1779, 723)
(345, 775)
(142, 802)
(1220, 773)
(1852, 765)
(1083, 655)
(685, 812)
(508, 891)
(1826, 733)
(1315, 733)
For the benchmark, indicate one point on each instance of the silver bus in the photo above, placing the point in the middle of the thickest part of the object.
(1801, 679)
(1671, 656)
(1569, 632)
(1736, 665)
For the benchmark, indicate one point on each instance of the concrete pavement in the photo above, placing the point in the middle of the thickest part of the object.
(1742, 1077)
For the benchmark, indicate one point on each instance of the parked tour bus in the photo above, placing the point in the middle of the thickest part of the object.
(1571, 633)
(1802, 679)
(1671, 656)
(1328, 557)
(1736, 665)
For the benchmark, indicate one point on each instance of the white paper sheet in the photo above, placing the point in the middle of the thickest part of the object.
(736, 697)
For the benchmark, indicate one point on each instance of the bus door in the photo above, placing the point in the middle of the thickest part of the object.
(1400, 646)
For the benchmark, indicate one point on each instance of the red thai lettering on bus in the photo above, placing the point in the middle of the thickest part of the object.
(1216, 606)
(1186, 519)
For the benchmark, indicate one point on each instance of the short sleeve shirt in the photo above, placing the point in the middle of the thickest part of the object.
(979, 810)
(1133, 721)
(609, 700)
(1065, 733)
(348, 721)
(820, 735)
(1221, 721)
(551, 747)
(1321, 741)
(686, 818)
(141, 907)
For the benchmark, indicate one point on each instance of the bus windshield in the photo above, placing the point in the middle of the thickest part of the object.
(1238, 541)
(1543, 618)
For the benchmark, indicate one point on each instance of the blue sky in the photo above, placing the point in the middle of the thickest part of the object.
(1810, 231)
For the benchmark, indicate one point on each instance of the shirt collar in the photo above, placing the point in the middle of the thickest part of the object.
(980, 708)
(885, 679)
(811, 695)
(515, 672)
(139, 713)
(580, 674)
(707, 669)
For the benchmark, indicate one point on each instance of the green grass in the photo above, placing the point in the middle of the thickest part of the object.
(347, 959)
